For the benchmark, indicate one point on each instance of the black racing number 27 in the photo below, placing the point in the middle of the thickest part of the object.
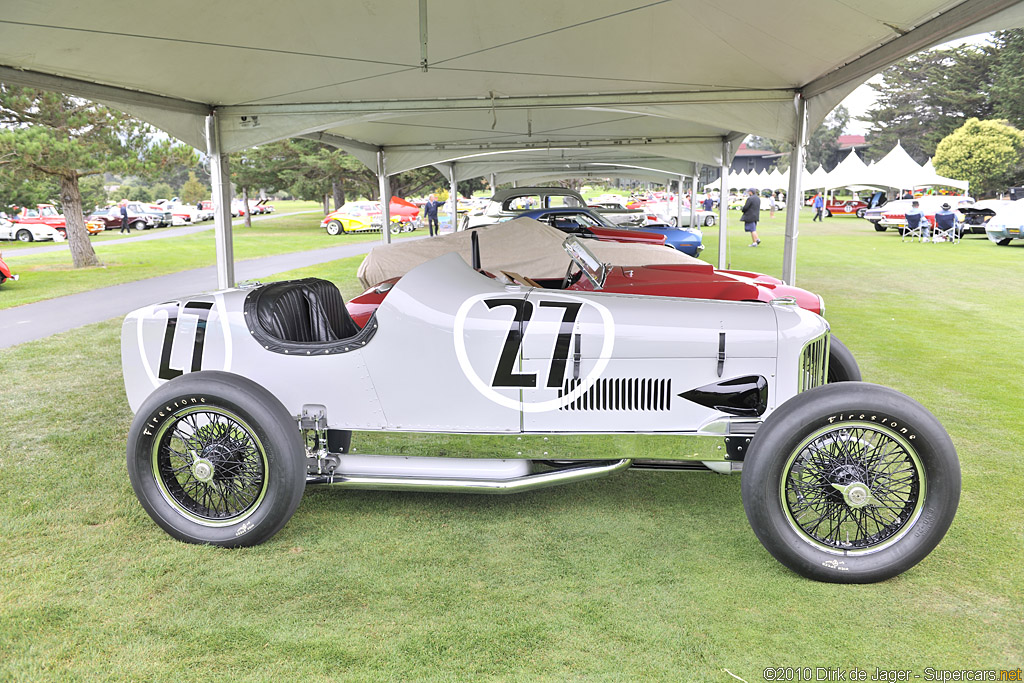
(504, 374)
(198, 308)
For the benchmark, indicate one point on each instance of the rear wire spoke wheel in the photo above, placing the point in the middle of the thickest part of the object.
(215, 458)
(850, 483)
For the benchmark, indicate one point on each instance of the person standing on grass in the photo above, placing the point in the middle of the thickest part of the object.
(430, 211)
(819, 204)
(124, 216)
(771, 205)
(709, 203)
(751, 216)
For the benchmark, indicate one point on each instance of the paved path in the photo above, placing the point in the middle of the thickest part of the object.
(34, 321)
(154, 234)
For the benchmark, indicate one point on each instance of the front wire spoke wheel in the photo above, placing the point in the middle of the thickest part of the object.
(210, 466)
(853, 488)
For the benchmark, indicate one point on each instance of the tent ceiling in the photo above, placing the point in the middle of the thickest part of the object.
(433, 81)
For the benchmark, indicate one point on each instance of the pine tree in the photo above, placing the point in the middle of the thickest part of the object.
(48, 135)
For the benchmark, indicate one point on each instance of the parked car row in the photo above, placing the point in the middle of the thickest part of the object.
(42, 223)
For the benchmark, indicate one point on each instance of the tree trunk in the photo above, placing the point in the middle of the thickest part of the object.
(245, 204)
(327, 204)
(338, 187)
(82, 254)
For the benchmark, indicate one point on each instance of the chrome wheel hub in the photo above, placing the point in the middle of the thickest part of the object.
(857, 495)
(202, 469)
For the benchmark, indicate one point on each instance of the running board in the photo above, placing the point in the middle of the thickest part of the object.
(530, 482)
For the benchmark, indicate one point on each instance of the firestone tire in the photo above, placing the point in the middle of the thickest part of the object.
(335, 228)
(842, 366)
(850, 483)
(215, 458)
(24, 236)
(880, 228)
(709, 221)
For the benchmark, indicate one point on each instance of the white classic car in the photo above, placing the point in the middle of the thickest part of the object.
(1007, 223)
(243, 397)
(509, 203)
(29, 232)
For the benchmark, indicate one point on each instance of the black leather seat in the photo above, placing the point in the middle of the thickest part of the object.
(309, 310)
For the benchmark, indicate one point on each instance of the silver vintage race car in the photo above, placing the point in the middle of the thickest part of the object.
(466, 382)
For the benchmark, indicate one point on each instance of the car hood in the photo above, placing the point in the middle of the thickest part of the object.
(705, 282)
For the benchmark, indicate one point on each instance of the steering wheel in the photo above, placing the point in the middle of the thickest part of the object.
(569, 279)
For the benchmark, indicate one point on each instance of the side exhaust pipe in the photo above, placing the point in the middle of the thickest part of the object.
(529, 482)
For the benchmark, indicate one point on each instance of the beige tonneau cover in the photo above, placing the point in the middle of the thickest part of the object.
(523, 245)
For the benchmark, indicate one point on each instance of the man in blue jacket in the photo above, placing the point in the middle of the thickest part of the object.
(751, 216)
(430, 210)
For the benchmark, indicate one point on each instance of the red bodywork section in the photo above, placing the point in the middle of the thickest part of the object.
(5, 271)
(691, 281)
(403, 209)
(636, 236)
(848, 208)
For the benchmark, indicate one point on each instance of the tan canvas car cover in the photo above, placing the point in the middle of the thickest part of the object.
(522, 246)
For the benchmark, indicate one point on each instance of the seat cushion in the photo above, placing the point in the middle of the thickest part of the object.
(304, 311)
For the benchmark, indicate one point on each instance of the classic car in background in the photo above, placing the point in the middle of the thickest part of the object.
(589, 223)
(5, 271)
(846, 207)
(47, 214)
(510, 202)
(977, 216)
(894, 214)
(354, 217)
(665, 212)
(110, 218)
(366, 216)
(1007, 224)
(29, 232)
(244, 397)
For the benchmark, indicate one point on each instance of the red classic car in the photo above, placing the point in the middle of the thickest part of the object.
(848, 207)
(48, 215)
(5, 272)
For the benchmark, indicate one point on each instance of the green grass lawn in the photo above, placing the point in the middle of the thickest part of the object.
(47, 275)
(646, 575)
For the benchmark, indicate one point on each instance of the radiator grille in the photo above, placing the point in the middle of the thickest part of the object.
(813, 364)
(638, 394)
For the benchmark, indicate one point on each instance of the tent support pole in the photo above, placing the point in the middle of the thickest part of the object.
(494, 183)
(723, 206)
(795, 195)
(453, 195)
(693, 195)
(385, 198)
(220, 181)
(679, 199)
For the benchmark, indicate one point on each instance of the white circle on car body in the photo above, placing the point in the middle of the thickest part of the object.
(605, 355)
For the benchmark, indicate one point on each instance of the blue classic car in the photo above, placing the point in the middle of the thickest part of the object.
(575, 220)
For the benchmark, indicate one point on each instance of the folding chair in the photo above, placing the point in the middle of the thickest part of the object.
(916, 223)
(947, 228)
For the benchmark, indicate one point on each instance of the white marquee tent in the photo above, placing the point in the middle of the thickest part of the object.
(403, 84)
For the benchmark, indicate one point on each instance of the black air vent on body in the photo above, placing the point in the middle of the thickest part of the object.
(621, 394)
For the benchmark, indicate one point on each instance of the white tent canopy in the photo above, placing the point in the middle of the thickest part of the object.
(417, 83)
(896, 169)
